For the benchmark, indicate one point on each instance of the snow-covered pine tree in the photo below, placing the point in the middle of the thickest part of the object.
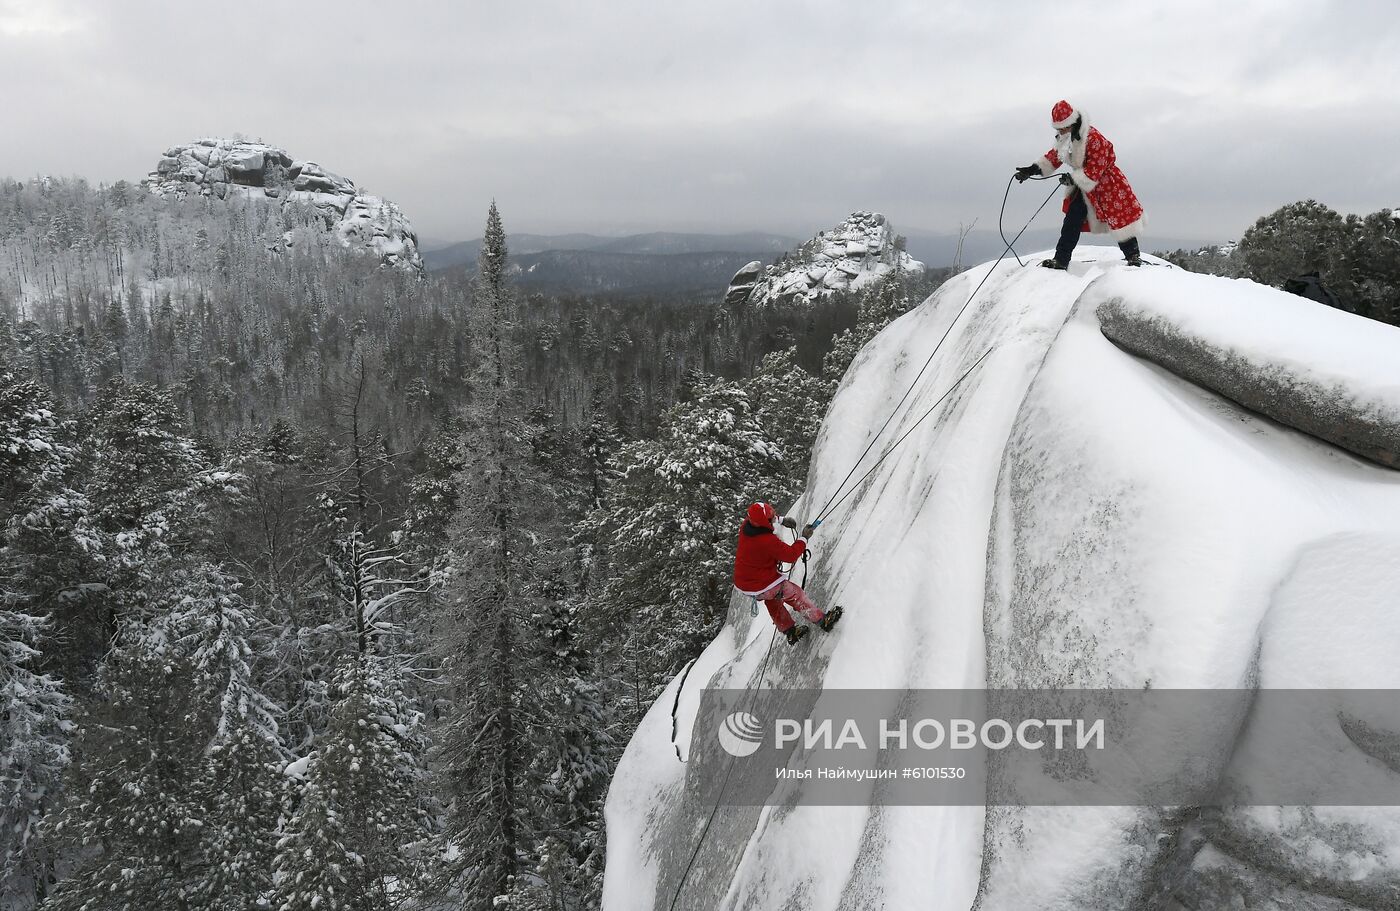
(178, 761)
(239, 785)
(432, 493)
(33, 755)
(488, 650)
(33, 706)
(152, 495)
(791, 404)
(177, 670)
(667, 525)
(361, 809)
(573, 752)
(600, 442)
(348, 846)
(132, 823)
(881, 303)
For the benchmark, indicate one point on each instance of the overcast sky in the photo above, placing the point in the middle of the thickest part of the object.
(615, 116)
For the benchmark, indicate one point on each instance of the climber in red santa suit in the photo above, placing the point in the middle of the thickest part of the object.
(757, 571)
(1098, 198)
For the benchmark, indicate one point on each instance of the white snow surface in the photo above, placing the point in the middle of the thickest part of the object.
(1071, 516)
(1262, 330)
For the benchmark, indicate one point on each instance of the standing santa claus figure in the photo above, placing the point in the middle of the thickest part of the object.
(1098, 197)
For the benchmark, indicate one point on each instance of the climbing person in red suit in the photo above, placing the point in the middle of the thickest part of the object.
(758, 573)
(1098, 197)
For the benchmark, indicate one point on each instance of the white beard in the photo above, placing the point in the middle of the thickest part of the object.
(1066, 148)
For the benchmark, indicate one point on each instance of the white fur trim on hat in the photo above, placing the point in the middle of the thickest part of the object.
(1068, 121)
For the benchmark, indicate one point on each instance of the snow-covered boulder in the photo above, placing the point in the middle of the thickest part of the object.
(742, 284)
(246, 170)
(1329, 373)
(1072, 516)
(848, 257)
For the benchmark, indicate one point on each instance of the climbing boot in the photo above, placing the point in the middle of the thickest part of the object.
(795, 632)
(1132, 253)
(827, 622)
(1053, 264)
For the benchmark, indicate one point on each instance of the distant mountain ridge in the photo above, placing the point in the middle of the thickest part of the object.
(935, 248)
(602, 271)
(657, 243)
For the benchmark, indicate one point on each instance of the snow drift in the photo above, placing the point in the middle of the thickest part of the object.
(1071, 516)
(1280, 355)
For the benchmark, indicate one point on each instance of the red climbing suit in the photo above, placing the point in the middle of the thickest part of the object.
(756, 573)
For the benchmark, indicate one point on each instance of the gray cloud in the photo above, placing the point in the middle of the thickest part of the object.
(723, 115)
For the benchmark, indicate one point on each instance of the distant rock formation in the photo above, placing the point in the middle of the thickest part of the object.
(235, 168)
(853, 254)
(743, 282)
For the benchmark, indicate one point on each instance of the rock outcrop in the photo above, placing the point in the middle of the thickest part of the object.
(1060, 514)
(235, 168)
(1314, 368)
(853, 254)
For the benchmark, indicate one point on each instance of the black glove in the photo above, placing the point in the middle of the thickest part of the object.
(1066, 180)
(1026, 173)
(790, 522)
(809, 531)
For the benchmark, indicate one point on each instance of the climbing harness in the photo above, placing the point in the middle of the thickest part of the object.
(786, 576)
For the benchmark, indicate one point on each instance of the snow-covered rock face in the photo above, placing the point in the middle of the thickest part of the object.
(1293, 366)
(1072, 516)
(235, 168)
(853, 254)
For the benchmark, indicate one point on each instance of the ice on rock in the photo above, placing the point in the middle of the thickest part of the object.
(256, 172)
(1077, 516)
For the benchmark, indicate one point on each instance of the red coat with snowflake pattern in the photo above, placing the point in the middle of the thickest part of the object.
(1113, 206)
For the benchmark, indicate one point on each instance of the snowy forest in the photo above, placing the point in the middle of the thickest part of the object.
(328, 585)
(331, 585)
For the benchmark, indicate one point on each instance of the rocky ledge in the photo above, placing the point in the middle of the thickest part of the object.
(846, 258)
(235, 168)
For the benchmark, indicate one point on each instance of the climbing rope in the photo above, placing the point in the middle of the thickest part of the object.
(685, 672)
(724, 785)
(922, 418)
(1001, 218)
(838, 496)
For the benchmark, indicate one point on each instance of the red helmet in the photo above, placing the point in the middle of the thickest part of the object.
(762, 515)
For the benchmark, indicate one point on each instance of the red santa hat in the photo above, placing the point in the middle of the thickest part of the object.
(762, 515)
(1063, 114)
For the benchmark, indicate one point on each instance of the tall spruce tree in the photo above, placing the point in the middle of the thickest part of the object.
(362, 805)
(486, 613)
